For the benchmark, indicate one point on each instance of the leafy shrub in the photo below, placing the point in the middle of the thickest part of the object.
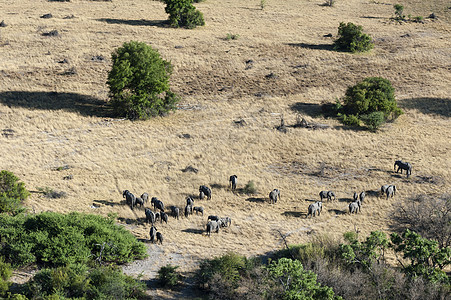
(5, 274)
(12, 193)
(350, 120)
(139, 82)
(250, 188)
(373, 120)
(55, 239)
(231, 36)
(399, 9)
(168, 276)
(78, 281)
(49, 193)
(352, 39)
(183, 14)
(373, 94)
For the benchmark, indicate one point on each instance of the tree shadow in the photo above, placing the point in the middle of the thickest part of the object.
(295, 214)
(83, 104)
(142, 22)
(257, 200)
(109, 203)
(328, 47)
(310, 109)
(336, 211)
(193, 230)
(427, 105)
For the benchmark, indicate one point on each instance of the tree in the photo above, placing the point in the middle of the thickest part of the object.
(139, 82)
(182, 13)
(12, 192)
(352, 39)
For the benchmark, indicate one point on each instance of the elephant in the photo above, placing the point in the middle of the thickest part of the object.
(139, 201)
(152, 232)
(403, 166)
(189, 201)
(129, 198)
(188, 210)
(362, 196)
(326, 195)
(145, 197)
(150, 215)
(315, 208)
(384, 189)
(355, 197)
(213, 226)
(226, 222)
(175, 212)
(198, 209)
(163, 217)
(213, 218)
(273, 195)
(390, 192)
(157, 204)
(354, 207)
(232, 181)
(160, 238)
(206, 191)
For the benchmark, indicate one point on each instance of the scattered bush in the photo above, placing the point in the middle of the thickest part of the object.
(139, 82)
(12, 193)
(250, 188)
(49, 193)
(352, 39)
(231, 36)
(183, 14)
(399, 10)
(168, 276)
(53, 239)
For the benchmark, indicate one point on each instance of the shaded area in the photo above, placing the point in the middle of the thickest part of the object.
(137, 221)
(426, 105)
(218, 186)
(256, 200)
(328, 47)
(83, 104)
(345, 199)
(309, 109)
(193, 230)
(109, 203)
(337, 211)
(142, 22)
(296, 214)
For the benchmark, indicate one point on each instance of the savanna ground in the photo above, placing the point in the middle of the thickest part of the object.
(55, 123)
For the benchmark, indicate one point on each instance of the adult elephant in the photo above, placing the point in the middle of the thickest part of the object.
(130, 199)
(204, 191)
(403, 166)
(232, 181)
(315, 208)
(273, 195)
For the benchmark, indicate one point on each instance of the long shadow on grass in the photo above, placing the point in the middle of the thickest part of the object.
(328, 47)
(142, 22)
(257, 200)
(337, 211)
(109, 203)
(193, 230)
(309, 109)
(83, 104)
(295, 214)
(426, 105)
(129, 221)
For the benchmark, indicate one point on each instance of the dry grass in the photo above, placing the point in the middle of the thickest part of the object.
(60, 120)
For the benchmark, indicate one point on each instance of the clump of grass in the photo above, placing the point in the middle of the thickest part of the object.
(250, 188)
(231, 36)
(50, 193)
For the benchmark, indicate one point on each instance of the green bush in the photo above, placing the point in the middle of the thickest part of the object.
(250, 188)
(78, 281)
(182, 13)
(373, 94)
(228, 267)
(373, 120)
(12, 193)
(350, 120)
(53, 239)
(5, 274)
(168, 276)
(399, 9)
(139, 82)
(352, 39)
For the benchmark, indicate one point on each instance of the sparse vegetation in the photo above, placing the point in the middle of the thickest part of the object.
(399, 12)
(139, 82)
(263, 4)
(329, 3)
(183, 14)
(50, 193)
(352, 39)
(231, 36)
(250, 188)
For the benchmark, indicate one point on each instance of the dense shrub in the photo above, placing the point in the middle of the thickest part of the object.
(350, 120)
(168, 276)
(139, 82)
(54, 239)
(373, 120)
(78, 281)
(182, 13)
(5, 274)
(12, 193)
(228, 267)
(352, 39)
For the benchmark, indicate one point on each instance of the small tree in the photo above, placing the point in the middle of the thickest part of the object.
(182, 13)
(139, 82)
(352, 39)
(12, 192)
(168, 275)
(399, 9)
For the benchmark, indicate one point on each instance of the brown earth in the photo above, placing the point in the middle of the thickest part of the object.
(55, 123)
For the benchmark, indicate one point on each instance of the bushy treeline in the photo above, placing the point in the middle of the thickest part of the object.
(326, 269)
(54, 239)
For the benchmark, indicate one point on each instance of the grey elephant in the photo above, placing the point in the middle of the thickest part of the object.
(362, 196)
(204, 191)
(150, 215)
(145, 197)
(315, 208)
(232, 181)
(198, 209)
(326, 195)
(354, 207)
(130, 199)
(384, 189)
(175, 212)
(213, 226)
(273, 195)
(160, 238)
(403, 166)
(390, 192)
(152, 232)
(157, 204)
(189, 201)
(163, 217)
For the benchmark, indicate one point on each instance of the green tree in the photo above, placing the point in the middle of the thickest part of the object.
(182, 13)
(5, 274)
(139, 82)
(352, 39)
(168, 275)
(12, 193)
(296, 283)
(425, 257)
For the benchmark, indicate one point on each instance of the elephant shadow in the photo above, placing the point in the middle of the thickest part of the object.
(256, 200)
(193, 230)
(109, 203)
(129, 221)
(295, 214)
(336, 211)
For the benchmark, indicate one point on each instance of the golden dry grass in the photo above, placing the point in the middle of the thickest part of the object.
(60, 120)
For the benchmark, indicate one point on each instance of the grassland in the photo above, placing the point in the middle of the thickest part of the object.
(55, 121)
